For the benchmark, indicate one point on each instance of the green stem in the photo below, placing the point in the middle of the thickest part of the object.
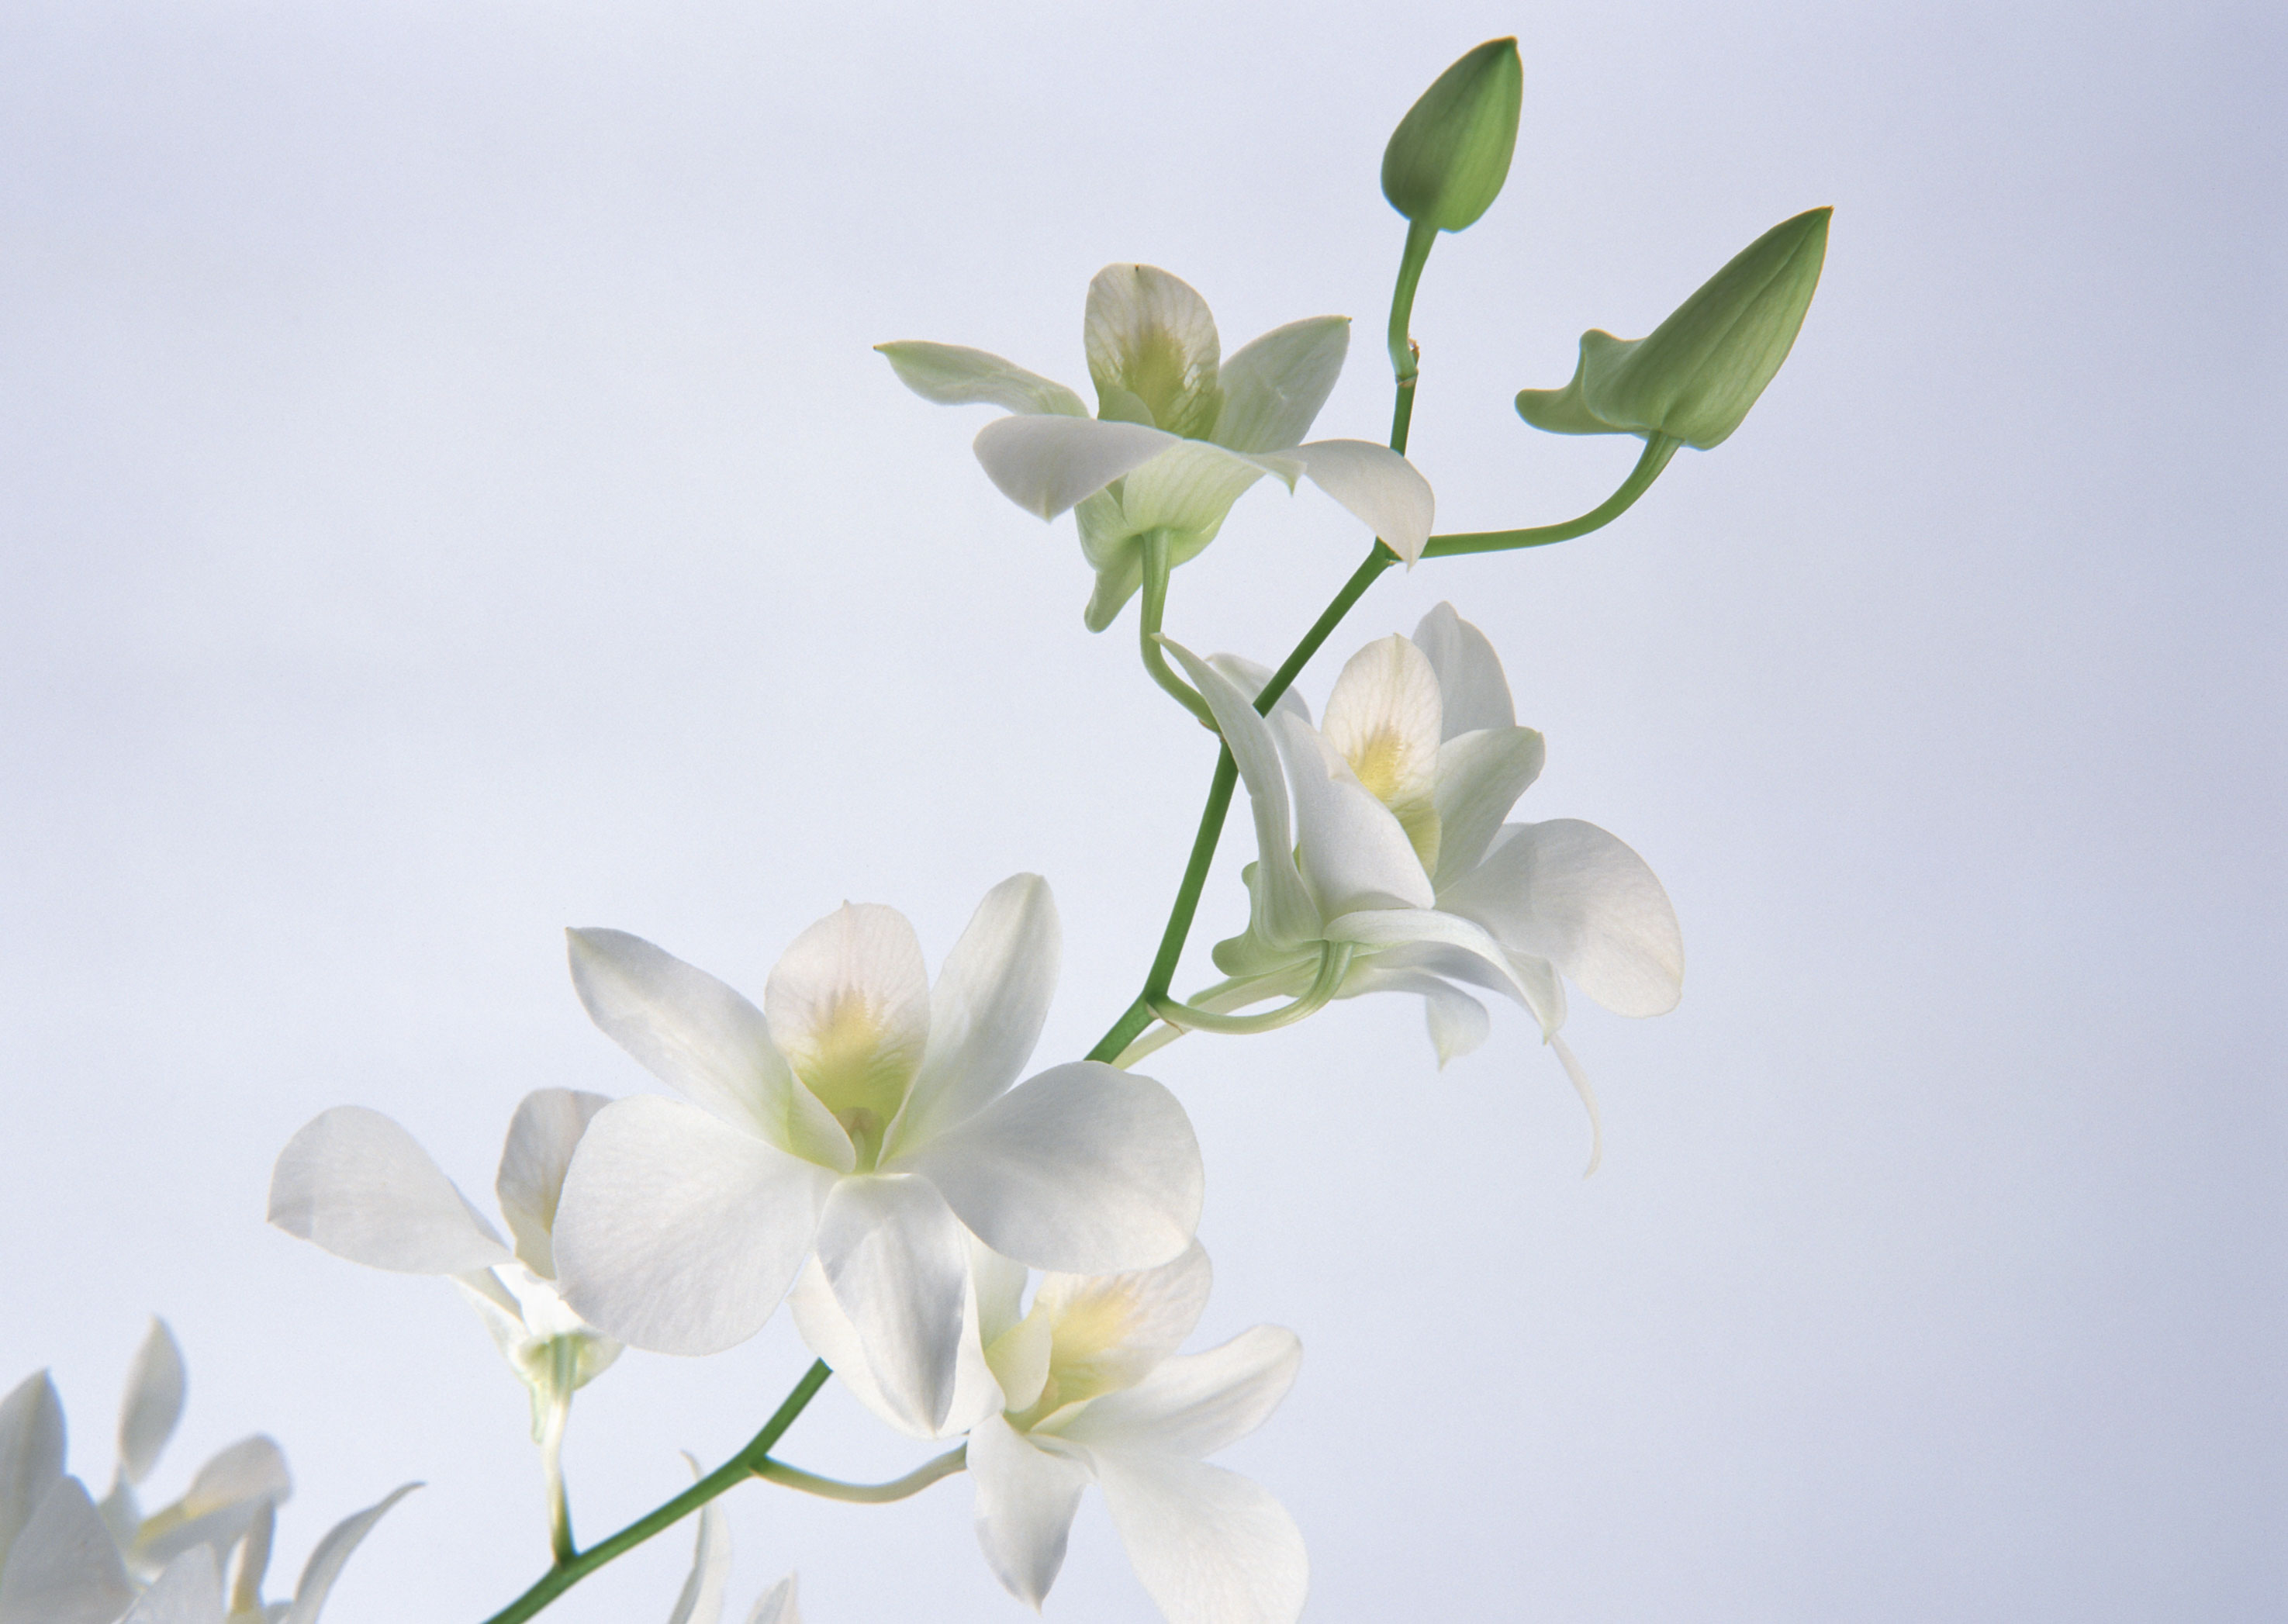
(1334, 964)
(1404, 360)
(865, 1493)
(1659, 449)
(736, 1470)
(1155, 605)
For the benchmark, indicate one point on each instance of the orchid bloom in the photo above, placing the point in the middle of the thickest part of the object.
(866, 1115)
(1179, 435)
(1084, 1386)
(1405, 878)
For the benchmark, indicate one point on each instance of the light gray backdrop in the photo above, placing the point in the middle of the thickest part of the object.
(449, 495)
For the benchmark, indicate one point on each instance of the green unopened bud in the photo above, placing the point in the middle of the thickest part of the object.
(1450, 154)
(1694, 376)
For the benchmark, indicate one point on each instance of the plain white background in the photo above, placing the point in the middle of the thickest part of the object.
(446, 495)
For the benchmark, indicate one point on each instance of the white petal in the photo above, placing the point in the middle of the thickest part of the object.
(1211, 1547)
(1107, 1331)
(776, 1605)
(189, 1591)
(1469, 672)
(1019, 1359)
(677, 1233)
(325, 1564)
(1250, 678)
(1046, 465)
(356, 1184)
(541, 1137)
(1383, 928)
(154, 1402)
(827, 1331)
(898, 1265)
(1149, 338)
(1381, 489)
(226, 1497)
(1383, 718)
(1356, 854)
(1580, 1081)
(1274, 387)
(986, 1010)
(31, 1454)
(1458, 1023)
(1083, 1169)
(1026, 1498)
(1284, 912)
(1000, 1284)
(1480, 775)
(1569, 892)
(701, 1598)
(848, 1004)
(952, 375)
(63, 1568)
(1195, 1404)
(699, 1037)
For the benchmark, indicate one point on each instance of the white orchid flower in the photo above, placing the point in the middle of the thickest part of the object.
(1400, 876)
(1085, 1387)
(864, 1114)
(1180, 434)
(190, 1589)
(356, 1184)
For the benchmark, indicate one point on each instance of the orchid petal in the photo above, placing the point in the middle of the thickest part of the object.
(677, 1233)
(228, 1496)
(31, 1454)
(326, 1561)
(1469, 672)
(1356, 854)
(1481, 774)
(1383, 720)
(701, 1601)
(1026, 1498)
(1195, 1404)
(849, 1005)
(356, 1184)
(541, 1137)
(153, 1403)
(1149, 336)
(1000, 1285)
(953, 375)
(1020, 1358)
(1108, 1331)
(1284, 914)
(1458, 1023)
(1274, 386)
(694, 1034)
(777, 1605)
(1189, 488)
(1569, 892)
(1382, 489)
(1579, 1078)
(1382, 927)
(1207, 1543)
(898, 1265)
(188, 1591)
(1251, 678)
(986, 1011)
(63, 1568)
(1046, 465)
(1081, 1169)
(828, 1332)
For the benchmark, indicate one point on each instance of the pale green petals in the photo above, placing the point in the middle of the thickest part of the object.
(1469, 672)
(1569, 892)
(1107, 1331)
(1384, 718)
(897, 1263)
(986, 1011)
(688, 1029)
(189, 1591)
(1284, 912)
(1026, 1498)
(1381, 489)
(541, 1137)
(31, 1454)
(1211, 1547)
(777, 1605)
(849, 1005)
(1189, 488)
(1195, 1404)
(1082, 1169)
(701, 1601)
(326, 1562)
(1479, 776)
(1355, 853)
(1046, 465)
(1274, 387)
(1151, 339)
(63, 1568)
(679, 1233)
(356, 1184)
(952, 375)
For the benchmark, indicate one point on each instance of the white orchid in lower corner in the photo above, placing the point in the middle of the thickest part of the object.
(1180, 434)
(865, 1115)
(1397, 873)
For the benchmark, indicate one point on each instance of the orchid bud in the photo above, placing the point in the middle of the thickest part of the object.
(1694, 377)
(1450, 154)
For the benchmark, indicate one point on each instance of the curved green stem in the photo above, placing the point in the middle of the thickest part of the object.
(864, 1493)
(1405, 361)
(1334, 964)
(733, 1471)
(1659, 449)
(1155, 605)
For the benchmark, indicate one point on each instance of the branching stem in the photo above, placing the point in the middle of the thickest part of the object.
(864, 1493)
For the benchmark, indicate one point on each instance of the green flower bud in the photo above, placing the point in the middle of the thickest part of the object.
(1695, 375)
(1450, 154)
